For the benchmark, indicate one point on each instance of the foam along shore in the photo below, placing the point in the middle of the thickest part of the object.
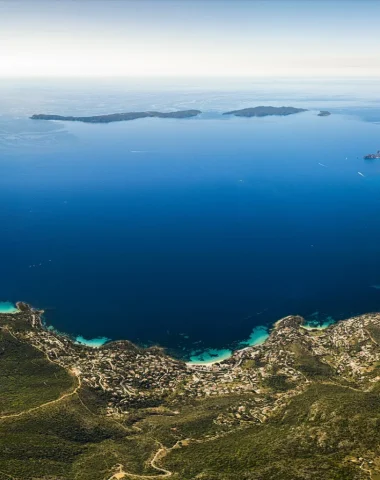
(95, 342)
(8, 308)
(208, 357)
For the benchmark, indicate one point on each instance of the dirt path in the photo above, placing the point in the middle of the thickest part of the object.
(366, 470)
(119, 473)
(159, 455)
(73, 372)
(330, 382)
(51, 402)
(9, 476)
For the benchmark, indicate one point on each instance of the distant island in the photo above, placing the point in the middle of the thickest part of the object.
(265, 111)
(118, 117)
(372, 156)
(324, 113)
(260, 111)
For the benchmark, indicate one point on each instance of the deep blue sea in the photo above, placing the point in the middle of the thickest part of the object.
(189, 233)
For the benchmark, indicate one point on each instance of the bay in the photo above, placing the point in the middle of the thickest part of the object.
(190, 233)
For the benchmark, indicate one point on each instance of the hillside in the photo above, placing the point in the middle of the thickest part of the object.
(304, 405)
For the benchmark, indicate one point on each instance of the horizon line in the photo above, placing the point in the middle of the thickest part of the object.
(190, 76)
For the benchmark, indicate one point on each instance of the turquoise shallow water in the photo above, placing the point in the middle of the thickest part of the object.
(94, 342)
(8, 307)
(258, 336)
(313, 322)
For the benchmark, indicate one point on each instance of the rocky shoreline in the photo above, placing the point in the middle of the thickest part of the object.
(131, 376)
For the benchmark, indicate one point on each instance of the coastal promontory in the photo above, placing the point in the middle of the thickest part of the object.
(263, 111)
(118, 117)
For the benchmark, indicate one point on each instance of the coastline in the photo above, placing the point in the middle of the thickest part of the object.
(241, 392)
(205, 358)
(211, 356)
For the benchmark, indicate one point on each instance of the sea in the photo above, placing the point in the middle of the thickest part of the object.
(192, 234)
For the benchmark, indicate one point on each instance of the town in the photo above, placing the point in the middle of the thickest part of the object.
(290, 359)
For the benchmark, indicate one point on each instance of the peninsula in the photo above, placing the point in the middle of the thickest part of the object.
(304, 404)
(265, 111)
(118, 117)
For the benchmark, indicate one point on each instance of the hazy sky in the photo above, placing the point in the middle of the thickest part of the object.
(189, 37)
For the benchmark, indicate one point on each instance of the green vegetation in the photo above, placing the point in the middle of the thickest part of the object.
(44, 436)
(313, 424)
(27, 379)
(68, 441)
(279, 383)
(196, 420)
(320, 431)
(374, 330)
(311, 366)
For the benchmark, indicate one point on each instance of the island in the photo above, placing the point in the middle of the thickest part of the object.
(118, 117)
(324, 113)
(372, 156)
(265, 111)
(304, 404)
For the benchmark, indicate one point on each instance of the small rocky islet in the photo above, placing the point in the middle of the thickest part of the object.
(324, 113)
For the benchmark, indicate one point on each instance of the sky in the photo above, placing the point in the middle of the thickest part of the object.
(129, 38)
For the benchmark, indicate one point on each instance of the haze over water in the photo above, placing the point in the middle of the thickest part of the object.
(189, 233)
